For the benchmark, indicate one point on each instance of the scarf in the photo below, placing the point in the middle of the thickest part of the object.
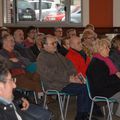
(108, 62)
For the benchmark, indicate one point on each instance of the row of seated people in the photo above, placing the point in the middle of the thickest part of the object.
(21, 54)
(59, 73)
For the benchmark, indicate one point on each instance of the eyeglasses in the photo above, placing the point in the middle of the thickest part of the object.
(59, 31)
(53, 43)
(10, 80)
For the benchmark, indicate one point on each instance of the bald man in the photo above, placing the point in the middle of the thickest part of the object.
(77, 56)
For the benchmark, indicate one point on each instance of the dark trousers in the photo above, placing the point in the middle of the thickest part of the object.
(83, 101)
(36, 112)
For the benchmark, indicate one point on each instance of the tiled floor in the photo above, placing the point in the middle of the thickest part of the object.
(71, 111)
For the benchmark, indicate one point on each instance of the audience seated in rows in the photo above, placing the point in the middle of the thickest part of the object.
(103, 76)
(58, 73)
(18, 65)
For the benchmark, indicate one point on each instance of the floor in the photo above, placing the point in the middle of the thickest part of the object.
(71, 111)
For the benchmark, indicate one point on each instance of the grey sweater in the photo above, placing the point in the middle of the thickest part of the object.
(54, 70)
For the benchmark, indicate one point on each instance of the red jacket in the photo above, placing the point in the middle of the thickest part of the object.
(78, 61)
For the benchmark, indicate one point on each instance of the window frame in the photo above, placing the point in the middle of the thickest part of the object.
(65, 23)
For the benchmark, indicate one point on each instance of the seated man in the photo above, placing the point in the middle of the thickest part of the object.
(8, 110)
(17, 65)
(58, 73)
(77, 56)
(19, 46)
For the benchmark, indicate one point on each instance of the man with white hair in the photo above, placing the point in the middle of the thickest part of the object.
(58, 73)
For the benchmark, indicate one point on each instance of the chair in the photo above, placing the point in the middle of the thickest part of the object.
(61, 99)
(100, 99)
(27, 92)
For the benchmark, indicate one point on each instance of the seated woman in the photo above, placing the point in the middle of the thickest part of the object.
(65, 45)
(17, 65)
(115, 51)
(103, 76)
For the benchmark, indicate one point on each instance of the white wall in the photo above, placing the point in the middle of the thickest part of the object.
(116, 13)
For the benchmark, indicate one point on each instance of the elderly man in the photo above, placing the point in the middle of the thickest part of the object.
(11, 111)
(77, 56)
(19, 46)
(58, 73)
(18, 65)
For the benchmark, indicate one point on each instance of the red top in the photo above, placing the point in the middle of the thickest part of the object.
(78, 61)
(28, 43)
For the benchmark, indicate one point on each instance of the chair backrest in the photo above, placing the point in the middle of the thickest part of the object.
(88, 88)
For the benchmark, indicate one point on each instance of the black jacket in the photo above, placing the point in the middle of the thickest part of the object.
(115, 57)
(7, 112)
(101, 82)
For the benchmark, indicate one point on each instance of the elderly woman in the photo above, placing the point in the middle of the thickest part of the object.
(103, 76)
(115, 51)
(88, 37)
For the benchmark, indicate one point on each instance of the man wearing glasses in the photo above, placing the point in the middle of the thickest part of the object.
(58, 73)
(12, 111)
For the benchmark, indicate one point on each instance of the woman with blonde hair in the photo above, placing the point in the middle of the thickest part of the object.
(102, 74)
(88, 37)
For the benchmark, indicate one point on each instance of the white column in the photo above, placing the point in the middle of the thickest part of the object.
(85, 12)
(116, 13)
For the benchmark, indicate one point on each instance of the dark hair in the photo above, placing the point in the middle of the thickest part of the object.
(55, 29)
(116, 41)
(30, 28)
(63, 41)
(3, 71)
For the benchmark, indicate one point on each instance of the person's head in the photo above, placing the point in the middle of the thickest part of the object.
(19, 36)
(90, 26)
(39, 38)
(49, 44)
(115, 43)
(88, 37)
(7, 84)
(4, 31)
(65, 42)
(75, 43)
(102, 46)
(31, 32)
(58, 32)
(8, 42)
(71, 32)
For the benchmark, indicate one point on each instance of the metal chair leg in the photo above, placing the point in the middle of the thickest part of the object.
(35, 97)
(60, 105)
(45, 100)
(109, 112)
(66, 108)
(91, 110)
